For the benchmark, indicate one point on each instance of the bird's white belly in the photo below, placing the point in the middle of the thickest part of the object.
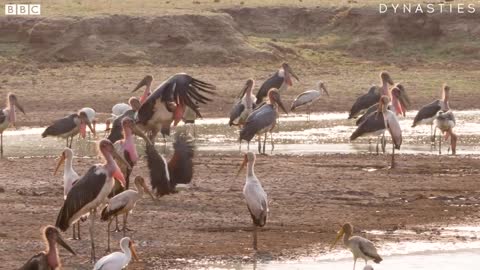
(445, 125)
(427, 121)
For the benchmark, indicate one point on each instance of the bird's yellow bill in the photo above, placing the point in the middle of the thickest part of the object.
(339, 235)
(134, 252)
(243, 165)
(60, 162)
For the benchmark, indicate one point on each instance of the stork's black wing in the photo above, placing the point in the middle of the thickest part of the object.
(3, 116)
(258, 120)
(428, 111)
(159, 178)
(275, 81)
(116, 133)
(374, 122)
(180, 166)
(178, 88)
(85, 190)
(365, 101)
(61, 126)
(362, 118)
(236, 111)
(37, 262)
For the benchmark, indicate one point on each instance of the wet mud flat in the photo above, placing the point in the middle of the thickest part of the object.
(310, 197)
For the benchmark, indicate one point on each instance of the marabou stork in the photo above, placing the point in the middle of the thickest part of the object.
(69, 126)
(179, 170)
(123, 203)
(69, 178)
(8, 116)
(309, 97)
(280, 80)
(167, 103)
(48, 259)
(254, 195)
(118, 260)
(91, 191)
(262, 120)
(428, 113)
(378, 121)
(244, 106)
(359, 246)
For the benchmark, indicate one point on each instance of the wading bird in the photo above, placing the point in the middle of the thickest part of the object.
(377, 122)
(118, 260)
(91, 115)
(428, 113)
(48, 259)
(69, 126)
(309, 97)
(255, 196)
(280, 80)
(359, 246)
(147, 82)
(91, 191)
(123, 203)
(168, 102)
(244, 106)
(262, 120)
(69, 177)
(179, 170)
(371, 98)
(8, 116)
(116, 131)
(446, 122)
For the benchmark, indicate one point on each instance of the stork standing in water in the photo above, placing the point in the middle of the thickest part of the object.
(123, 203)
(280, 80)
(116, 131)
(8, 116)
(309, 97)
(48, 259)
(359, 246)
(69, 126)
(91, 190)
(255, 196)
(69, 178)
(244, 106)
(445, 121)
(164, 176)
(168, 102)
(263, 120)
(147, 82)
(91, 115)
(428, 113)
(118, 260)
(378, 121)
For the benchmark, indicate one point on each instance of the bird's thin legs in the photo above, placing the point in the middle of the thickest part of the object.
(432, 135)
(67, 142)
(71, 140)
(194, 131)
(248, 146)
(453, 142)
(271, 139)
(125, 228)
(440, 144)
(254, 237)
(1, 145)
(393, 155)
(73, 230)
(308, 114)
(108, 233)
(92, 232)
(384, 142)
(117, 229)
(78, 231)
(259, 139)
(354, 263)
(264, 142)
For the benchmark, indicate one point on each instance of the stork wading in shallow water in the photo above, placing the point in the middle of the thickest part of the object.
(168, 102)
(164, 176)
(428, 113)
(254, 195)
(280, 80)
(377, 122)
(147, 82)
(69, 178)
(48, 259)
(309, 97)
(262, 120)
(359, 246)
(68, 127)
(8, 116)
(91, 191)
(244, 106)
(445, 121)
(118, 260)
(123, 203)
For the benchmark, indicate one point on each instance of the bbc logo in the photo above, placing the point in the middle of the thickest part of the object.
(22, 9)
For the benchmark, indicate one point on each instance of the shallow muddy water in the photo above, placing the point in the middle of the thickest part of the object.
(325, 133)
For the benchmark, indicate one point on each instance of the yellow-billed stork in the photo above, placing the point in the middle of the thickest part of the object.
(118, 260)
(8, 116)
(309, 97)
(280, 80)
(359, 246)
(91, 191)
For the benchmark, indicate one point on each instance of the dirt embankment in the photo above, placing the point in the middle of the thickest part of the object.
(220, 36)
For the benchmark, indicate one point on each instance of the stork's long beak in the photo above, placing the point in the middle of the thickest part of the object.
(62, 243)
(60, 162)
(245, 159)
(133, 251)
(293, 73)
(143, 82)
(19, 107)
(280, 103)
(147, 190)
(339, 235)
(325, 90)
(90, 127)
(118, 174)
(137, 131)
(121, 159)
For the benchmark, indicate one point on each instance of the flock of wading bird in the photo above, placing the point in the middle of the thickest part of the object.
(105, 186)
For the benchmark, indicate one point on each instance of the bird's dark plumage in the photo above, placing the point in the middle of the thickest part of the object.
(373, 122)
(258, 120)
(180, 87)
(427, 111)
(375, 257)
(158, 171)
(37, 262)
(362, 118)
(108, 213)
(275, 81)
(116, 133)
(2, 116)
(365, 101)
(236, 112)
(85, 190)
(61, 126)
(180, 165)
(259, 221)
